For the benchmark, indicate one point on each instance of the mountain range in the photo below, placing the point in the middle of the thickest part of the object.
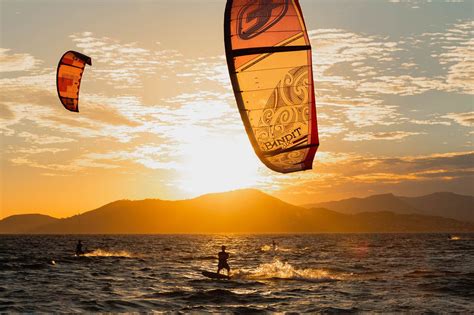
(444, 204)
(249, 211)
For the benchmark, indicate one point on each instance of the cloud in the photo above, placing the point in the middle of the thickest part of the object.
(464, 119)
(210, 69)
(361, 111)
(400, 85)
(361, 80)
(389, 135)
(347, 175)
(195, 130)
(5, 112)
(33, 98)
(60, 168)
(35, 116)
(152, 157)
(430, 122)
(456, 55)
(373, 66)
(10, 62)
(372, 114)
(36, 150)
(353, 51)
(123, 65)
(42, 139)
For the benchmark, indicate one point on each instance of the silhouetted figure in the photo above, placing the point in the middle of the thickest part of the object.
(274, 244)
(79, 250)
(223, 256)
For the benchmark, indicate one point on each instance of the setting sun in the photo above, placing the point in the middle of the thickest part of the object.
(218, 163)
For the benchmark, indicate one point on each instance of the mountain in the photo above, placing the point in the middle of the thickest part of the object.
(385, 202)
(241, 211)
(444, 204)
(324, 220)
(23, 223)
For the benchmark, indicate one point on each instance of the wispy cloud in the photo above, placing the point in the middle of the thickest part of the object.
(464, 119)
(351, 174)
(43, 139)
(152, 157)
(458, 56)
(389, 135)
(122, 65)
(13, 62)
(399, 85)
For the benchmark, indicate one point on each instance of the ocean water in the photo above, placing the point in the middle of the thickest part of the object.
(306, 273)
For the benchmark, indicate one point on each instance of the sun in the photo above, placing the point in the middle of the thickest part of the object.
(218, 163)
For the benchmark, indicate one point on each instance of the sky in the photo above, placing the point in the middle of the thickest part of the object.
(394, 84)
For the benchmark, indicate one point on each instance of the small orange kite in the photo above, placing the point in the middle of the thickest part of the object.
(68, 78)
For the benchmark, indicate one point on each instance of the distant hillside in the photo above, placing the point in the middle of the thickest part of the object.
(444, 204)
(448, 205)
(242, 211)
(23, 223)
(387, 222)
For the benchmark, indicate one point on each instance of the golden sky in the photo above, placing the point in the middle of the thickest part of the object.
(158, 119)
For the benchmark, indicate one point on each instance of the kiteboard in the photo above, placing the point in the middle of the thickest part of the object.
(214, 275)
(83, 253)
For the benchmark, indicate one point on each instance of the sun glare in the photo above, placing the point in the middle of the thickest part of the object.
(218, 163)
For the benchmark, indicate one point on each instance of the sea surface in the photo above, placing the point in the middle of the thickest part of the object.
(304, 273)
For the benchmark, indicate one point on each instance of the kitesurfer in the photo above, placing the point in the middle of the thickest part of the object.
(79, 250)
(223, 256)
(274, 245)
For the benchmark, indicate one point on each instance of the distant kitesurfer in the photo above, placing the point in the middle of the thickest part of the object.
(223, 256)
(274, 244)
(79, 250)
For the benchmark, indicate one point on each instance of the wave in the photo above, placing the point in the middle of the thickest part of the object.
(103, 253)
(267, 248)
(284, 270)
(214, 296)
(431, 273)
(194, 258)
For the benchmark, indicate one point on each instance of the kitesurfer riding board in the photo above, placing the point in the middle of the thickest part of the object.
(223, 256)
(80, 251)
(223, 264)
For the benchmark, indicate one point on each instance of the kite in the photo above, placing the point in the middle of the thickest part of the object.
(270, 65)
(68, 78)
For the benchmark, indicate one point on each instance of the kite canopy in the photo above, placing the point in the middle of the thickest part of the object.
(68, 78)
(269, 59)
